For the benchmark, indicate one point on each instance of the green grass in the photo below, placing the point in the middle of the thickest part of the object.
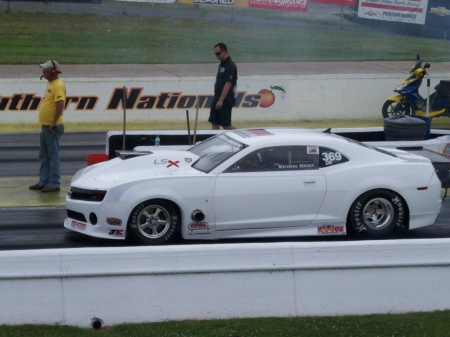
(436, 324)
(90, 39)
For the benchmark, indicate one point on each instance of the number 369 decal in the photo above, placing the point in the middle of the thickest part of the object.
(329, 157)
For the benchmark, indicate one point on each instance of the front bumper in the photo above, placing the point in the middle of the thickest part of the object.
(92, 219)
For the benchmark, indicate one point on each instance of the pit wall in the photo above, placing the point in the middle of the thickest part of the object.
(108, 286)
(308, 97)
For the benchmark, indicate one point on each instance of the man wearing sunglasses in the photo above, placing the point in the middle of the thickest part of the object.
(224, 90)
(50, 118)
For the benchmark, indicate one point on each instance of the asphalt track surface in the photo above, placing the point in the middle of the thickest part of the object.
(34, 220)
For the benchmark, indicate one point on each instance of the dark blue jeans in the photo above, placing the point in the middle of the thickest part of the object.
(49, 173)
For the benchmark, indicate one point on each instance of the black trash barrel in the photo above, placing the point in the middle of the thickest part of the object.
(403, 127)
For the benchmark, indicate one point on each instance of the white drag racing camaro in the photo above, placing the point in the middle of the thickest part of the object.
(255, 183)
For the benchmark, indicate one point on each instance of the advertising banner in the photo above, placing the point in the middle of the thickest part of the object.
(284, 5)
(337, 2)
(438, 15)
(146, 98)
(232, 3)
(151, 1)
(408, 11)
(216, 2)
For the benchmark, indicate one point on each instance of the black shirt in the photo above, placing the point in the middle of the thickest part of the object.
(227, 73)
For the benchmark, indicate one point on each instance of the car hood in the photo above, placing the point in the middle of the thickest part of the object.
(129, 168)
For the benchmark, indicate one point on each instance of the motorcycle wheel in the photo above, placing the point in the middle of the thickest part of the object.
(393, 108)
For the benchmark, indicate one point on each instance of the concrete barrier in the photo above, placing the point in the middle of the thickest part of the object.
(268, 97)
(146, 284)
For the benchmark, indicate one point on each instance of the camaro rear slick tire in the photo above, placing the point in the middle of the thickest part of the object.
(394, 108)
(377, 214)
(154, 222)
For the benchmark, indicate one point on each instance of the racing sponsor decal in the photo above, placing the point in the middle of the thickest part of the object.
(357, 217)
(114, 221)
(330, 157)
(167, 162)
(253, 133)
(198, 226)
(446, 151)
(440, 11)
(188, 160)
(312, 150)
(173, 163)
(398, 203)
(78, 225)
(116, 232)
(331, 229)
(295, 166)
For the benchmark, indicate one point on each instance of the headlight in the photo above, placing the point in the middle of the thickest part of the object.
(86, 195)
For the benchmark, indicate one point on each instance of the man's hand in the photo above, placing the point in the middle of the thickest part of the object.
(219, 104)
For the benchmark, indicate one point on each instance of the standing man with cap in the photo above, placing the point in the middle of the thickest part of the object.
(224, 90)
(52, 128)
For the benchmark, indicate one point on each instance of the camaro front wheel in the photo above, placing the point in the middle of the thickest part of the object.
(154, 222)
(377, 214)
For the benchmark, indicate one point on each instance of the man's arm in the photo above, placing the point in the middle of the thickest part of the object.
(226, 89)
(58, 112)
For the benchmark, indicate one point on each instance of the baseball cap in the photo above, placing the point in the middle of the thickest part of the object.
(50, 64)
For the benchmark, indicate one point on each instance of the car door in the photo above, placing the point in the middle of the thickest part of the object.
(271, 187)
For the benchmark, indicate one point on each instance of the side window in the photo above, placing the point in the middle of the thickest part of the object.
(302, 158)
(253, 162)
(278, 158)
(329, 157)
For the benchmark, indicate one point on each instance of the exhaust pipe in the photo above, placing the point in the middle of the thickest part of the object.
(197, 215)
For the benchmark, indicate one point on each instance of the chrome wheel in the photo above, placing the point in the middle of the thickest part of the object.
(153, 221)
(378, 213)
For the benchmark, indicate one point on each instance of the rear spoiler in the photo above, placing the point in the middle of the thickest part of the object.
(440, 162)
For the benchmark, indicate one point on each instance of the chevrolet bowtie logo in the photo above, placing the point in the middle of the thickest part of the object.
(441, 11)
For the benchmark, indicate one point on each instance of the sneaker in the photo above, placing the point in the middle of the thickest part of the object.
(36, 187)
(50, 188)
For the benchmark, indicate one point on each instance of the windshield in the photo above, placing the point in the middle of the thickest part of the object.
(214, 151)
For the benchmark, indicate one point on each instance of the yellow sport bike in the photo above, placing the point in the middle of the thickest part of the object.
(408, 101)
